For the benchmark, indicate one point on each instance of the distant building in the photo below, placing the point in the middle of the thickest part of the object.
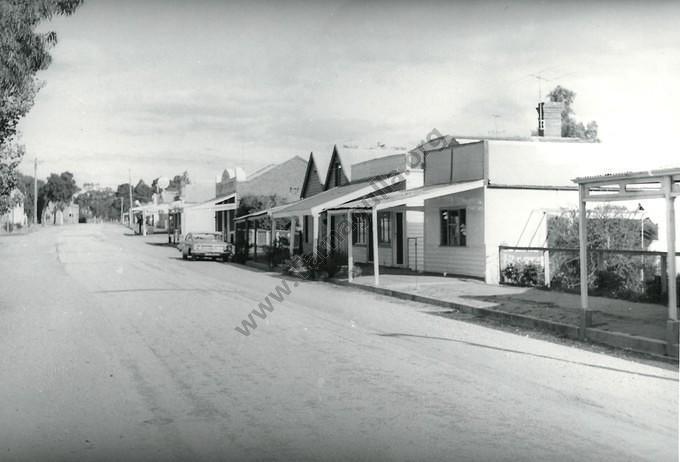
(53, 215)
(218, 213)
(87, 187)
(15, 216)
(283, 180)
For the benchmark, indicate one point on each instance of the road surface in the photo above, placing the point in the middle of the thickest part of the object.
(112, 348)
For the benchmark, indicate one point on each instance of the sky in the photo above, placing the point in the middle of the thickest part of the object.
(158, 87)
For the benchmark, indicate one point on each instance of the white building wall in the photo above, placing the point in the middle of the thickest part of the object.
(517, 217)
(415, 231)
(551, 163)
(197, 220)
(468, 260)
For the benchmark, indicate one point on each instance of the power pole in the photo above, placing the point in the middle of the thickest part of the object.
(130, 187)
(35, 191)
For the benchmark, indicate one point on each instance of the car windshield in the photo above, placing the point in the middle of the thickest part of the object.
(205, 237)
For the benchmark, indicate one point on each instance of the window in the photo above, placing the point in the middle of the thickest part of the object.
(337, 171)
(384, 228)
(305, 225)
(453, 231)
(218, 221)
(359, 229)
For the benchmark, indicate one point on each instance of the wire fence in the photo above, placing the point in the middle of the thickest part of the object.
(634, 275)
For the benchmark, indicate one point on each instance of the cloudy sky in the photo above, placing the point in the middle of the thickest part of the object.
(163, 86)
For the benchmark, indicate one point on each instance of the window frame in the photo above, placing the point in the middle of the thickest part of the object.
(462, 227)
(382, 239)
(360, 229)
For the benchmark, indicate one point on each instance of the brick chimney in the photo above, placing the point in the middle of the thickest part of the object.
(550, 119)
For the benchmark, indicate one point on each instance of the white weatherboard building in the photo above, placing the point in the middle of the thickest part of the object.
(481, 194)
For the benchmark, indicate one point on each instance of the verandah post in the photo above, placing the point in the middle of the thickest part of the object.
(376, 258)
(350, 257)
(583, 256)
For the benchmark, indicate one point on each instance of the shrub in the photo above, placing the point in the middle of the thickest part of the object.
(524, 274)
(324, 266)
(277, 253)
(332, 263)
(608, 282)
(241, 253)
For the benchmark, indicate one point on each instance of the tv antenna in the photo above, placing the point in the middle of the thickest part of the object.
(542, 78)
(495, 123)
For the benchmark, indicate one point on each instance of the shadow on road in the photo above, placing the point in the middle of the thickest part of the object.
(160, 244)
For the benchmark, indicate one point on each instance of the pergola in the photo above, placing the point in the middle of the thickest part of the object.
(632, 186)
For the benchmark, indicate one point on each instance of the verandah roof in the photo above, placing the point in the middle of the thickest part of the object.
(410, 197)
(216, 203)
(334, 197)
(260, 213)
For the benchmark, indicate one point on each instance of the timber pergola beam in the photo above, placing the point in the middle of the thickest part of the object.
(632, 186)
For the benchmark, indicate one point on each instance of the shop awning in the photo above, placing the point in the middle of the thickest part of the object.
(216, 204)
(336, 196)
(409, 197)
(260, 213)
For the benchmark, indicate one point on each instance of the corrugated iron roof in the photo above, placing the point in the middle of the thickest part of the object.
(613, 177)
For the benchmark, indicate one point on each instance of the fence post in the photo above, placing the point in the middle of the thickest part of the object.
(546, 268)
(664, 275)
(500, 264)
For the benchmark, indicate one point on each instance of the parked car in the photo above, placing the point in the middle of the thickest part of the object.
(205, 245)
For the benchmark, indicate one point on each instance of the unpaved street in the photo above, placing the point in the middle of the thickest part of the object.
(112, 348)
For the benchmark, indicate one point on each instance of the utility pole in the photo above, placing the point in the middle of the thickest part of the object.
(130, 187)
(35, 191)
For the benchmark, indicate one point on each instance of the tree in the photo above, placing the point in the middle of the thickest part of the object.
(250, 203)
(608, 227)
(142, 192)
(59, 189)
(123, 190)
(570, 127)
(179, 182)
(25, 185)
(10, 157)
(99, 204)
(24, 52)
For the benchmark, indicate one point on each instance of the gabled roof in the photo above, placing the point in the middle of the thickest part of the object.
(320, 161)
(351, 154)
(269, 167)
(434, 144)
(335, 157)
(260, 171)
